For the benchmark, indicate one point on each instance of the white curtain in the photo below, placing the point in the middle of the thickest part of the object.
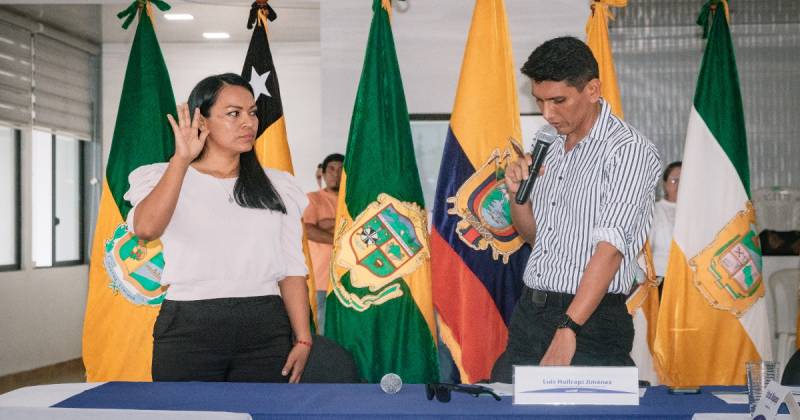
(658, 48)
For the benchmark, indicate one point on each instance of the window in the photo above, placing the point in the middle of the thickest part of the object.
(49, 85)
(429, 131)
(9, 199)
(57, 198)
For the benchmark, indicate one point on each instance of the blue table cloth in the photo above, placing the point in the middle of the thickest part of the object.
(352, 401)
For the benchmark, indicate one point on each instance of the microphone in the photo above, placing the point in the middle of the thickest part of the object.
(391, 383)
(542, 141)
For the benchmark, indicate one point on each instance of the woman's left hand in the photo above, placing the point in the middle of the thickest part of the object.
(296, 362)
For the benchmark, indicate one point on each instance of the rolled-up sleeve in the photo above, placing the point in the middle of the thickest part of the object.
(628, 190)
(291, 223)
(142, 180)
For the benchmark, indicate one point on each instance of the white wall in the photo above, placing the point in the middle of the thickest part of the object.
(42, 309)
(430, 38)
(298, 67)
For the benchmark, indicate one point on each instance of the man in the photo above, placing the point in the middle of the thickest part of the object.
(592, 205)
(318, 219)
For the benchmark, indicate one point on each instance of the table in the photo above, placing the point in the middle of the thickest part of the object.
(358, 401)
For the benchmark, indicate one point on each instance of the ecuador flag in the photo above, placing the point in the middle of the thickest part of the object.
(713, 316)
(478, 257)
(124, 274)
(379, 307)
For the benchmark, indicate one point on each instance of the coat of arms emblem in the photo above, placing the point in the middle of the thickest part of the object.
(135, 267)
(386, 242)
(483, 206)
(728, 271)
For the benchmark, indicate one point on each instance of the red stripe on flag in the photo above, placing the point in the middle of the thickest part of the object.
(467, 308)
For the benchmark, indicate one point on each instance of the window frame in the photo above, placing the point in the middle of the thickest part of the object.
(81, 204)
(17, 265)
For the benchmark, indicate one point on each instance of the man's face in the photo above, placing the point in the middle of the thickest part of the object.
(332, 174)
(565, 107)
(671, 184)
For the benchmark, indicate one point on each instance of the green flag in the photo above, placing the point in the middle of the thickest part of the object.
(379, 306)
(125, 272)
(713, 317)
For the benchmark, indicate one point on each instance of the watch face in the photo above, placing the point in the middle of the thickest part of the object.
(567, 322)
(564, 322)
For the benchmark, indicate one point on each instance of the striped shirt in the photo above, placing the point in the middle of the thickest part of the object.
(601, 190)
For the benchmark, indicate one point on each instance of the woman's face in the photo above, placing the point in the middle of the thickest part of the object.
(671, 184)
(232, 122)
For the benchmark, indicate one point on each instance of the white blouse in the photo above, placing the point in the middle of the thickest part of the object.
(213, 248)
(661, 234)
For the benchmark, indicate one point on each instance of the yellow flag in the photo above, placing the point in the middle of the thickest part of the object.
(643, 303)
(597, 39)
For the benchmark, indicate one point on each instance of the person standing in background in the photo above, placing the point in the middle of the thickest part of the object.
(664, 221)
(318, 219)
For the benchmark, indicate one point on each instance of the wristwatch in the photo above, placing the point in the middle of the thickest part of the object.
(567, 322)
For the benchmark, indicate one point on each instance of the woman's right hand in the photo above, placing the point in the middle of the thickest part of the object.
(189, 136)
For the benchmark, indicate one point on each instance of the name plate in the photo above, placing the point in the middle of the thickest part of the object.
(576, 385)
(774, 396)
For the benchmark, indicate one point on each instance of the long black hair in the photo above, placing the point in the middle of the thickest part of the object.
(253, 188)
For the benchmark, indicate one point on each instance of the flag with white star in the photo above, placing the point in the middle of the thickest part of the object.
(272, 147)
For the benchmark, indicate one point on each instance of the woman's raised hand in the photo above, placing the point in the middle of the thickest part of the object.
(189, 136)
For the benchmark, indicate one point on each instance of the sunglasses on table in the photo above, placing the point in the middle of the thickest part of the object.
(442, 391)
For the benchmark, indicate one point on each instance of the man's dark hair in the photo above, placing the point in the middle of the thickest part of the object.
(333, 157)
(566, 59)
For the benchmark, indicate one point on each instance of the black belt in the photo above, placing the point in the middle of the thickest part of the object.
(541, 298)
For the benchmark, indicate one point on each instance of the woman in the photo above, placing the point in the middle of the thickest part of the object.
(664, 219)
(232, 247)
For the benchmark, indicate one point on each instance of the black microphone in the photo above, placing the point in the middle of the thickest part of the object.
(542, 141)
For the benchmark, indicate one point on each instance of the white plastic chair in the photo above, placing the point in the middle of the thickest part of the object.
(777, 208)
(783, 286)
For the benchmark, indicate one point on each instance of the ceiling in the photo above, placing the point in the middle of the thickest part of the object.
(298, 20)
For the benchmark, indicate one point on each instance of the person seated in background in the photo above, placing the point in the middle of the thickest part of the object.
(237, 305)
(318, 219)
(664, 221)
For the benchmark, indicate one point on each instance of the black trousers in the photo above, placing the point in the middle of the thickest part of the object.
(230, 339)
(606, 338)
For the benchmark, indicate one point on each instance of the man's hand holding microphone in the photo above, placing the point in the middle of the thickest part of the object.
(521, 174)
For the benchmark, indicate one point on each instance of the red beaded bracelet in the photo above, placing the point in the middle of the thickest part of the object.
(305, 343)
